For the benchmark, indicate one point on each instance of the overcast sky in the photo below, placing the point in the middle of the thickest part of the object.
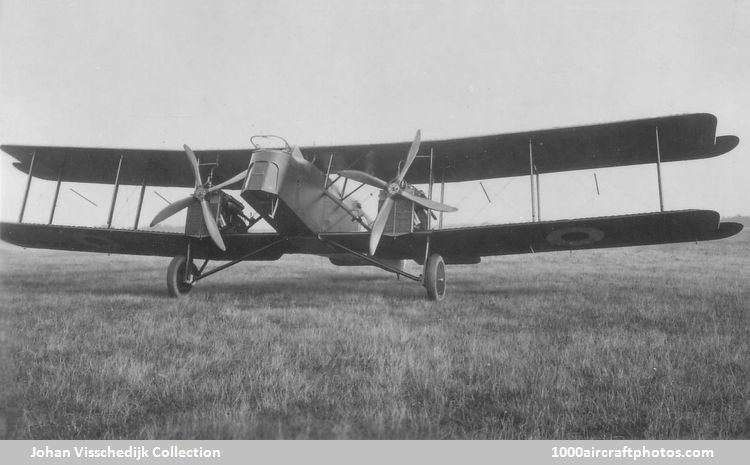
(158, 74)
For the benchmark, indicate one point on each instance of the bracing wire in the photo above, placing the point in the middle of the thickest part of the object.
(496, 197)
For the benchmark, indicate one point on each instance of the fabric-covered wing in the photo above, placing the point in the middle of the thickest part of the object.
(467, 245)
(99, 165)
(119, 241)
(682, 137)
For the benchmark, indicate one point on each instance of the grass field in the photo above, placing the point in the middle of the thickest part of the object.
(648, 342)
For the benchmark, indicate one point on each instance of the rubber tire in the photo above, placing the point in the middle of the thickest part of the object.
(176, 284)
(434, 277)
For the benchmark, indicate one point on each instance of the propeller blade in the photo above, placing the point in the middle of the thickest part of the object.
(364, 178)
(213, 229)
(238, 177)
(194, 163)
(379, 225)
(171, 209)
(427, 203)
(411, 156)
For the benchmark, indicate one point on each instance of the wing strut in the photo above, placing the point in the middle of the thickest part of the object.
(442, 197)
(57, 194)
(328, 172)
(114, 192)
(531, 180)
(538, 195)
(658, 170)
(140, 202)
(432, 182)
(28, 186)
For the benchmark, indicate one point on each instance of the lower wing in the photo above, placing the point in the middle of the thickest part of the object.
(457, 245)
(467, 245)
(119, 241)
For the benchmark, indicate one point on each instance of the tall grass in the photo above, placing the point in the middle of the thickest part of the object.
(630, 343)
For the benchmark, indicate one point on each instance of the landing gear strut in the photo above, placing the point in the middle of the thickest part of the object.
(434, 277)
(179, 282)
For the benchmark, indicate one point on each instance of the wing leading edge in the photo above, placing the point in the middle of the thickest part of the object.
(681, 137)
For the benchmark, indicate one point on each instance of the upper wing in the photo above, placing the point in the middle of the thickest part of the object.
(99, 165)
(682, 137)
(467, 245)
(120, 241)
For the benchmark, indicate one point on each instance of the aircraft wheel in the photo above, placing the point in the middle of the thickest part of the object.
(176, 284)
(434, 277)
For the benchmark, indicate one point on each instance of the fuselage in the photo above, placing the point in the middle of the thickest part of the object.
(295, 197)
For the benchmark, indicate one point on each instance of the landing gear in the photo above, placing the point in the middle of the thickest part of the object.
(178, 282)
(434, 277)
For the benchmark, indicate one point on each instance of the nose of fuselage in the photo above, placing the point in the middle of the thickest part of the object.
(265, 177)
(266, 169)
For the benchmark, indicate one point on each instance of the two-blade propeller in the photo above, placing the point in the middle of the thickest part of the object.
(201, 191)
(394, 189)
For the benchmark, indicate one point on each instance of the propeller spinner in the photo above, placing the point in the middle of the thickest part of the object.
(201, 191)
(393, 190)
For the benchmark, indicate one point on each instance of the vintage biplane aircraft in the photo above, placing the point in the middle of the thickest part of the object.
(296, 191)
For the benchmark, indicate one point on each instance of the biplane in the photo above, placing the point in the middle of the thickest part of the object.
(296, 190)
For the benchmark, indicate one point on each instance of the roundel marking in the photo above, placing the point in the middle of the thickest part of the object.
(575, 236)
